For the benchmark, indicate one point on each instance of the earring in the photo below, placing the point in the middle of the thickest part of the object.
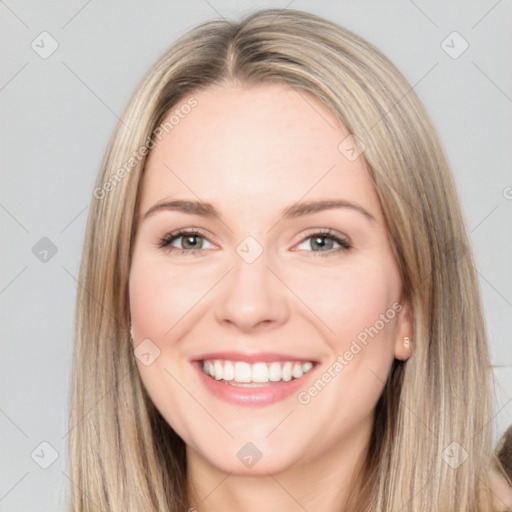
(406, 341)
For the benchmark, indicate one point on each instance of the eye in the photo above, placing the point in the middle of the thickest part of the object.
(189, 242)
(318, 240)
(190, 245)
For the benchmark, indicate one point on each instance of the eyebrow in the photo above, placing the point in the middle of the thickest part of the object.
(207, 210)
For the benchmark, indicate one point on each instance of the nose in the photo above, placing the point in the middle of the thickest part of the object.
(252, 296)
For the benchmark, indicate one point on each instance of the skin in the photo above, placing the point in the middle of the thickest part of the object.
(502, 491)
(251, 152)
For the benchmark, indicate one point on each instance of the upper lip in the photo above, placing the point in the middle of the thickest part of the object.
(255, 357)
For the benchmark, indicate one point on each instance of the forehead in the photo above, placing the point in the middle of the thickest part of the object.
(262, 147)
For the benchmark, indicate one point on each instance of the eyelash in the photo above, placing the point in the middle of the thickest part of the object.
(166, 241)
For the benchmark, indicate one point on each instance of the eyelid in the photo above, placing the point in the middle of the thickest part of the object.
(324, 231)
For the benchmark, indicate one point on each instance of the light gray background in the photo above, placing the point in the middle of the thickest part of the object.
(58, 113)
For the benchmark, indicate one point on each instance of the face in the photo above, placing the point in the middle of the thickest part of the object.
(297, 313)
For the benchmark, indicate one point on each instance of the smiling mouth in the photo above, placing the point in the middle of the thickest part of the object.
(243, 374)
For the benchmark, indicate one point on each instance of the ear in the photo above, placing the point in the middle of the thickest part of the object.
(403, 329)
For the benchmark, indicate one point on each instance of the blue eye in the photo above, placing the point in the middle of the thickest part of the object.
(191, 246)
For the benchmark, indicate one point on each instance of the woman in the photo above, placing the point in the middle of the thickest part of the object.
(260, 374)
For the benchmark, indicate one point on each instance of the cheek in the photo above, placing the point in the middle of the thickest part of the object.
(161, 295)
(351, 299)
(160, 298)
(360, 306)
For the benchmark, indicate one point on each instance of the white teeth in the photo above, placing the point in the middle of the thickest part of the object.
(259, 372)
(242, 372)
(274, 372)
(307, 366)
(217, 367)
(286, 372)
(297, 370)
(229, 371)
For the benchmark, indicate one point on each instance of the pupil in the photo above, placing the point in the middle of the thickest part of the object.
(191, 237)
(321, 238)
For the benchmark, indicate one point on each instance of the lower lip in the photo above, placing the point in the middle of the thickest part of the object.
(252, 396)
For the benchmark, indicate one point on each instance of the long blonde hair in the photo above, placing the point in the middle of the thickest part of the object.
(431, 442)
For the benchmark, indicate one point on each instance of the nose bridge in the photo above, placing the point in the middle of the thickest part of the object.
(252, 293)
(251, 265)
